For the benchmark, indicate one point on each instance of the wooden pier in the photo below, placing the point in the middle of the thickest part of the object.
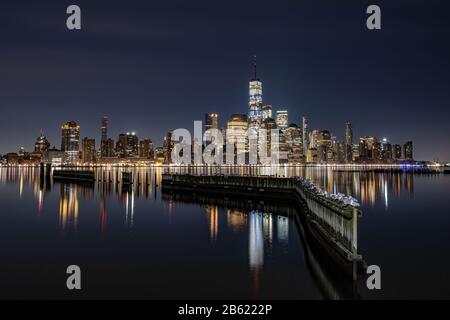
(333, 225)
(77, 175)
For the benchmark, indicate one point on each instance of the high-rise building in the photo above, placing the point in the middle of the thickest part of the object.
(70, 141)
(348, 133)
(255, 99)
(282, 119)
(105, 143)
(408, 151)
(121, 145)
(283, 149)
(107, 148)
(127, 145)
(355, 152)
(168, 146)
(211, 122)
(269, 124)
(333, 152)
(104, 128)
(266, 111)
(89, 153)
(294, 143)
(313, 137)
(237, 128)
(397, 152)
(146, 149)
(386, 150)
(369, 149)
(132, 145)
(324, 146)
(348, 143)
(305, 135)
(41, 145)
(340, 152)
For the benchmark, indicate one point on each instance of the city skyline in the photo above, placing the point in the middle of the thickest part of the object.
(225, 156)
(296, 144)
(130, 68)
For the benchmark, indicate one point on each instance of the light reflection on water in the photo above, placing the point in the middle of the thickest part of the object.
(367, 187)
(274, 245)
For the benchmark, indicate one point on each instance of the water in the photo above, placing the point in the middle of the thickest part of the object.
(143, 243)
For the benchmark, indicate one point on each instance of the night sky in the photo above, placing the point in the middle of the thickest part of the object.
(158, 65)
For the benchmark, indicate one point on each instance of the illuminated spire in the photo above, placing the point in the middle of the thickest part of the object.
(254, 66)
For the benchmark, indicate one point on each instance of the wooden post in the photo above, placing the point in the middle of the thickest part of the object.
(355, 243)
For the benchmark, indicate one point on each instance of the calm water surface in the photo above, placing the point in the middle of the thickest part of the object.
(143, 243)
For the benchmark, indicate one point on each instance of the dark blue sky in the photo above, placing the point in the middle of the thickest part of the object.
(156, 65)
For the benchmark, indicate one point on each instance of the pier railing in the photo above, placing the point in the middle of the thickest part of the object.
(340, 221)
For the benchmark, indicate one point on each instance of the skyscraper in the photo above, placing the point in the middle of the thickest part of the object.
(397, 152)
(168, 146)
(313, 137)
(369, 149)
(211, 122)
(42, 145)
(146, 148)
(324, 146)
(237, 127)
(127, 145)
(305, 135)
(104, 128)
(386, 150)
(70, 141)
(293, 136)
(348, 144)
(255, 99)
(107, 148)
(88, 150)
(269, 125)
(121, 145)
(106, 144)
(282, 119)
(408, 151)
(348, 133)
(132, 145)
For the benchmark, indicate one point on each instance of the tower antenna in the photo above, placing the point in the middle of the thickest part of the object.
(254, 66)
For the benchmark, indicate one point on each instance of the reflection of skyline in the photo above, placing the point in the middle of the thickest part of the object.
(236, 219)
(368, 187)
(212, 215)
(103, 213)
(283, 230)
(260, 231)
(268, 228)
(256, 248)
(256, 240)
(264, 224)
(68, 207)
